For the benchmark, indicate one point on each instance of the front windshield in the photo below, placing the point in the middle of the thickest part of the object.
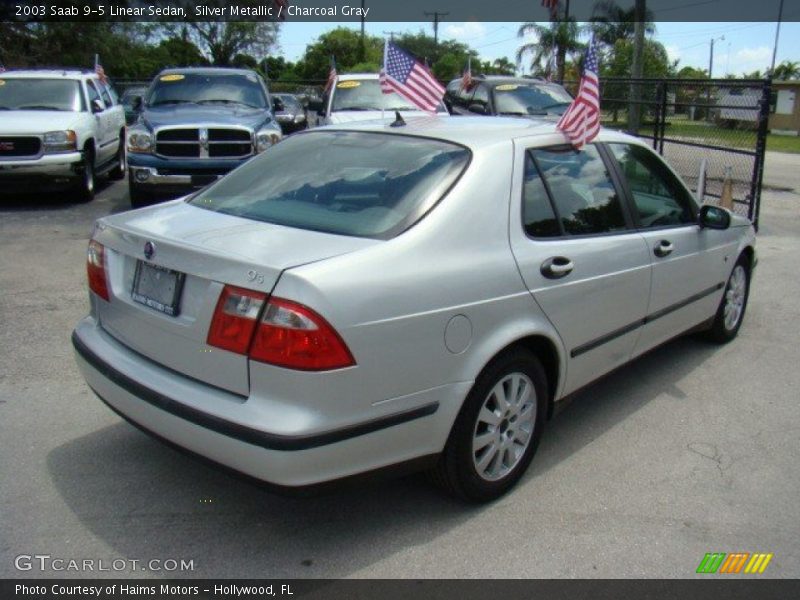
(530, 99)
(208, 88)
(362, 184)
(130, 94)
(289, 102)
(366, 94)
(40, 94)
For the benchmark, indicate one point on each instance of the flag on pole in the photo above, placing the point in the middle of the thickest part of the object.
(98, 69)
(332, 74)
(407, 76)
(466, 78)
(581, 122)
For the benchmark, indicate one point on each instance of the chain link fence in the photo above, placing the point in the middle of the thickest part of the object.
(721, 121)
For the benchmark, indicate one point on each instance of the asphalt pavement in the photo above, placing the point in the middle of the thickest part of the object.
(690, 449)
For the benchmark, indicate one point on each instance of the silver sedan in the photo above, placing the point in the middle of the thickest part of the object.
(419, 296)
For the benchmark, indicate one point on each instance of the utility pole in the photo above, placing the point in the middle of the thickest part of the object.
(711, 56)
(777, 35)
(362, 49)
(437, 16)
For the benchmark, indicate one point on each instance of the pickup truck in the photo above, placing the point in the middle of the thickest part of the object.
(59, 130)
(194, 126)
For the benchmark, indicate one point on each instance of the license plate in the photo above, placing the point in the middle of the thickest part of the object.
(157, 287)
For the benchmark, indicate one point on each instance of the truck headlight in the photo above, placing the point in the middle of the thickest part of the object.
(140, 141)
(265, 139)
(60, 141)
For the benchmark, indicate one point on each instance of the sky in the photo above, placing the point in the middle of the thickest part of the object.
(746, 47)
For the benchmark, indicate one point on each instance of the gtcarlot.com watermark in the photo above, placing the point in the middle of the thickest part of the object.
(46, 562)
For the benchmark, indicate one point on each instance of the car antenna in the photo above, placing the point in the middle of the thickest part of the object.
(398, 120)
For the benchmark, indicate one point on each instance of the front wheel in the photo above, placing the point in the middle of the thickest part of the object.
(730, 312)
(84, 191)
(118, 172)
(138, 197)
(498, 429)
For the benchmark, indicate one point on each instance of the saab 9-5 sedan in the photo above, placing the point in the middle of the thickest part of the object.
(364, 296)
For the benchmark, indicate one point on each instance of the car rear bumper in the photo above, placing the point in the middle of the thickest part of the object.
(154, 399)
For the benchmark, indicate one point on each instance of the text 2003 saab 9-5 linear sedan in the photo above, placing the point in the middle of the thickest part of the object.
(365, 296)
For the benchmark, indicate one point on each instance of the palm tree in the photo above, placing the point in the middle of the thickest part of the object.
(611, 23)
(561, 34)
(503, 66)
(788, 69)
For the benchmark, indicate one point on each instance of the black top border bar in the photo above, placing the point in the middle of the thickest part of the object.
(337, 11)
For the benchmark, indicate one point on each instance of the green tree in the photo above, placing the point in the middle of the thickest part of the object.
(787, 70)
(345, 45)
(562, 34)
(610, 22)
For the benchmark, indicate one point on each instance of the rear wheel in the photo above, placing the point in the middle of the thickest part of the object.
(84, 191)
(498, 429)
(730, 313)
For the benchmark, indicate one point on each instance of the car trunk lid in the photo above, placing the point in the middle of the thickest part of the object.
(207, 250)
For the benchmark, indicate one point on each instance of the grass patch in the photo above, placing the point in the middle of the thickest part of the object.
(703, 132)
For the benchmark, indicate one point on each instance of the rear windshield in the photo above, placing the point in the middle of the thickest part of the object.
(40, 94)
(208, 88)
(520, 99)
(350, 183)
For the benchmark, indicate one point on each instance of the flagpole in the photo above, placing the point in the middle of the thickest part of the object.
(383, 96)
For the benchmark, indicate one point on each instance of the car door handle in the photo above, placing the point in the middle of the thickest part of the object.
(556, 267)
(663, 248)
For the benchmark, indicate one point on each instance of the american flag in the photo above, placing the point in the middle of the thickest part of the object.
(101, 73)
(332, 74)
(466, 78)
(405, 75)
(581, 122)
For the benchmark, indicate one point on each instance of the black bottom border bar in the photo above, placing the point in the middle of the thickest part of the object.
(731, 587)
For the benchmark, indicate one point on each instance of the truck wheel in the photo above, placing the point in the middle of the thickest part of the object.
(118, 172)
(84, 191)
(138, 197)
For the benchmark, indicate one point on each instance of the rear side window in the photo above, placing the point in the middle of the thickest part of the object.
(539, 218)
(583, 195)
(661, 200)
(361, 184)
(93, 93)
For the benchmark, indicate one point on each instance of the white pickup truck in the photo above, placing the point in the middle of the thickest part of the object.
(59, 129)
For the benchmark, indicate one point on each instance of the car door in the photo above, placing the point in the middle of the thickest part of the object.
(102, 146)
(579, 256)
(689, 264)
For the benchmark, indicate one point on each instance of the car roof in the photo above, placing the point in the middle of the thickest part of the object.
(207, 71)
(505, 79)
(346, 76)
(48, 73)
(474, 132)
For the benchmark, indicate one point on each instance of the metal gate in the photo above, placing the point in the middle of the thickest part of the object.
(723, 121)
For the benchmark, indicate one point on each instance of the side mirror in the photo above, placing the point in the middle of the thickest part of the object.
(477, 108)
(277, 105)
(97, 106)
(137, 103)
(714, 217)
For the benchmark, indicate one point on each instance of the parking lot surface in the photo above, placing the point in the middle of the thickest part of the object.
(690, 449)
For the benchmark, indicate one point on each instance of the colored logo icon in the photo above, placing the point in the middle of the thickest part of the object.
(735, 562)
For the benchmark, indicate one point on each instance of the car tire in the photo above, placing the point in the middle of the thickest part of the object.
(118, 172)
(730, 313)
(137, 196)
(85, 189)
(496, 434)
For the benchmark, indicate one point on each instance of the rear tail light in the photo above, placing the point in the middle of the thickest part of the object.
(235, 319)
(96, 269)
(287, 335)
(292, 335)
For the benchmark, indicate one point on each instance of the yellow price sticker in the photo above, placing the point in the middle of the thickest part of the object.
(172, 77)
(2, 81)
(348, 84)
(506, 87)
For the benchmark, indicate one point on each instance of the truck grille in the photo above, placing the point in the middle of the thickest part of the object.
(20, 146)
(204, 143)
